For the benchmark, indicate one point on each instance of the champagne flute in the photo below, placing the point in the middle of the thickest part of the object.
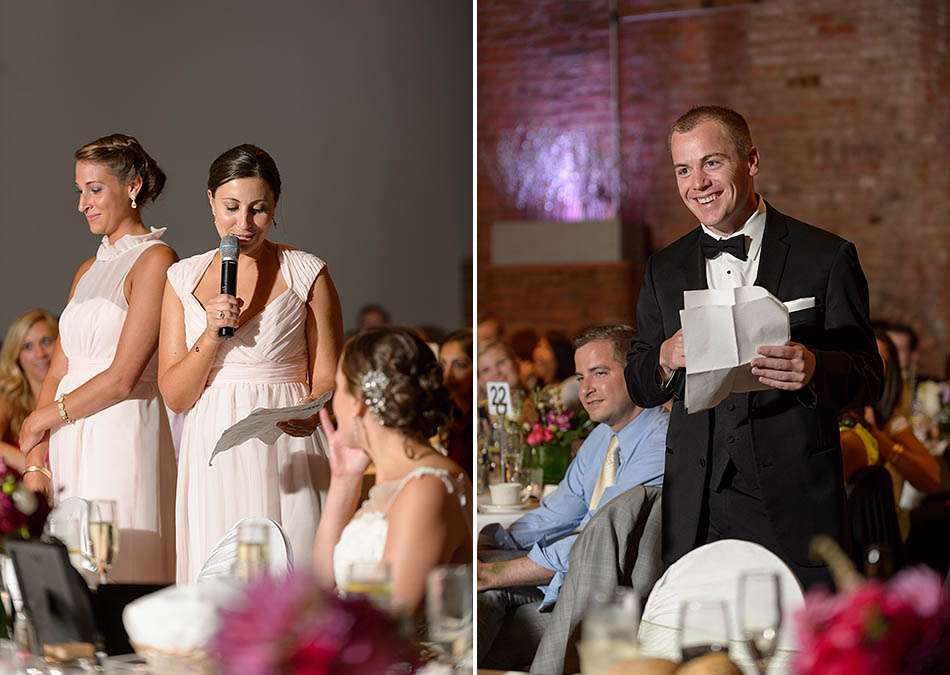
(372, 580)
(449, 611)
(103, 535)
(253, 553)
(760, 615)
(703, 628)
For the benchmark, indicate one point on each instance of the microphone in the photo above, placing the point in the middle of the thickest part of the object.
(229, 255)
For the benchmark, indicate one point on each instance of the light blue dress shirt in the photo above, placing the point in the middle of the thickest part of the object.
(550, 530)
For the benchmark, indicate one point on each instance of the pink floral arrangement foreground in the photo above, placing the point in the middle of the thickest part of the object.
(291, 626)
(898, 628)
(23, 513)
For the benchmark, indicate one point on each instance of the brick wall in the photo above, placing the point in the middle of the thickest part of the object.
(848, 103)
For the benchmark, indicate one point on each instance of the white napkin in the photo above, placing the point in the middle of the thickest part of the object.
(179, 619)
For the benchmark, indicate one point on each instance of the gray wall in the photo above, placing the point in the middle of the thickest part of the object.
(365, 106)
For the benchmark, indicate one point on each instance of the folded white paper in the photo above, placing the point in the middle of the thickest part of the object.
(262, 424)
(723, 329)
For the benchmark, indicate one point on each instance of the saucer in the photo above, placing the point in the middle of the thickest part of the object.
(503, 508)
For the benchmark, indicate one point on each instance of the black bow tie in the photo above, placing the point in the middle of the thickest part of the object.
(733, 245)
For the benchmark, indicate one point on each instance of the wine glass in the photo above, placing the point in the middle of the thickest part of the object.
(760, 615)
(253, 553)
(103, 535)
(609, 630)
(449, 611)
(704, 628)
(371, 580)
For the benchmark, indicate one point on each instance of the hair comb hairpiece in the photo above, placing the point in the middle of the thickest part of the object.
(373, 384)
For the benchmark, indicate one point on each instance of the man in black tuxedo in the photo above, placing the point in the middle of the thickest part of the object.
(762, 466)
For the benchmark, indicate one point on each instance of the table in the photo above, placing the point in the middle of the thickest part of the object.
(504, 519)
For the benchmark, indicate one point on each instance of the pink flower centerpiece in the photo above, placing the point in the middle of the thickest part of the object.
(289, 625)
(898, 628)
(23, 512)
(551, 430)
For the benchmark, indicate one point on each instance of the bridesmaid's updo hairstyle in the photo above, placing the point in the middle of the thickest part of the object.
(396, 374)
(244, 161)
(125, 157)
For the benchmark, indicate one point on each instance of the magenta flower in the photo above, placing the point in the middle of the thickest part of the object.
(902, 627)
(291, 626)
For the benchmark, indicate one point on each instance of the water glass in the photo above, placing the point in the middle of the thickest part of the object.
(609, 630)
(371, 580)
(103, 527)
(253, 551)
(704, 628)
(449, 611)
(532, 477)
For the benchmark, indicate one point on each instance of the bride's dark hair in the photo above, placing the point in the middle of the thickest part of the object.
(414, 400)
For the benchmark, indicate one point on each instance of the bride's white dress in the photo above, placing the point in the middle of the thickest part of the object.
(364, 537)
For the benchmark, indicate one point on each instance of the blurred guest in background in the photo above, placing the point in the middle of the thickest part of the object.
(24, 361)
(372, 316)
(455, 357)
(489, 328)
(523, 343)
(108, 432)
(389, 399)
(553, 358)
(880, 434)
(905, 342)
(497, 362)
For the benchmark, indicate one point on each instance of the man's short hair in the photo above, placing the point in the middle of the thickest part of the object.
(620, 335)
(897, 327)
(734, 124)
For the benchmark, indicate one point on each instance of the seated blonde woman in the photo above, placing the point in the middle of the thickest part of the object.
(24, 361)
(389, 399)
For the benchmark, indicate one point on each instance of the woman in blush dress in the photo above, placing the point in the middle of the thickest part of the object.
(458, 368)
(24, 361)
(286, 316)
(108, 435)
(389, 400)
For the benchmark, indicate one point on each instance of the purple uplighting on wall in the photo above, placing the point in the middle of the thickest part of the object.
(556, 174)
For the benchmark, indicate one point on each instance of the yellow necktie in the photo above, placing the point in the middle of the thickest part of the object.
(608, 472)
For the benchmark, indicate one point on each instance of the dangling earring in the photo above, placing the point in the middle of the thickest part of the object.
(134, 204)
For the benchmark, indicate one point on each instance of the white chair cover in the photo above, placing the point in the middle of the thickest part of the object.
(712, 572)
(224, 553)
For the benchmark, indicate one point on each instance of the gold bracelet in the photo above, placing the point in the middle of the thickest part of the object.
(61, 404)
(898, 451)
(39, 469)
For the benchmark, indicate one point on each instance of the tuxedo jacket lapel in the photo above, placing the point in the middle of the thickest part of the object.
(696, 270)
(774, 251)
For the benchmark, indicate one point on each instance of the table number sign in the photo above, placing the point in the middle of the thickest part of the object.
(499, 399)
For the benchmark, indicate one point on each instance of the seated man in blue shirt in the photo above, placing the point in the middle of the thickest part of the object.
(626, 449)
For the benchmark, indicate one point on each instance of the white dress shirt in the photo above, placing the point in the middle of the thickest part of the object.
(727, 271)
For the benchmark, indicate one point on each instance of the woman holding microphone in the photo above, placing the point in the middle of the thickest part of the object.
(287, 336)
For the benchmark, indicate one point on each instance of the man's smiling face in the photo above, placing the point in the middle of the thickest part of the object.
(714, 181)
